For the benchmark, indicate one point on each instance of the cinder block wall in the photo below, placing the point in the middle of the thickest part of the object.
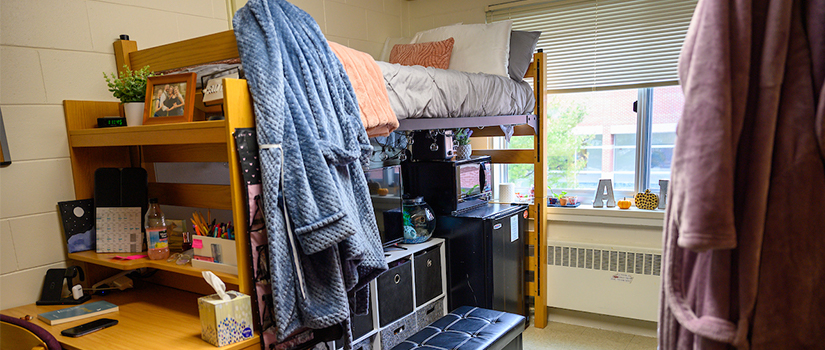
(52, 51)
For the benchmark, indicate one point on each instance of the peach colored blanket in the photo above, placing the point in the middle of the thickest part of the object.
(368, 83)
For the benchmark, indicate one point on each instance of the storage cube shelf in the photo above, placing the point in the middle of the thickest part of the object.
(395, 309)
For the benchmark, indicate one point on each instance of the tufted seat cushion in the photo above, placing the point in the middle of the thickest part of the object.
(468, 328)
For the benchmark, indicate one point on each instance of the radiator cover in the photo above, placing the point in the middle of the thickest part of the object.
(609, 280)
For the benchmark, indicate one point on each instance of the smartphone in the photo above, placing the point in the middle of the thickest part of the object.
(90, 327)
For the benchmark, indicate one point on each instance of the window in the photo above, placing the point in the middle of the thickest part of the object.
(603, 56)
(593, 135)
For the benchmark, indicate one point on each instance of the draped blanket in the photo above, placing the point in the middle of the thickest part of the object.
(368, 83)
(324, 245)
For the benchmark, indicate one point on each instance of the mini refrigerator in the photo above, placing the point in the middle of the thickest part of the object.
(485, 255)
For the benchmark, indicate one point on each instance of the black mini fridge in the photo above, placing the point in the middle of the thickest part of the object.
(485, 255)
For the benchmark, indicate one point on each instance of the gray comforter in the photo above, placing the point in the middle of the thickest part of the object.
(422, 92)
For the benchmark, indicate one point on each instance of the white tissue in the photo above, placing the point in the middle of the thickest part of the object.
(216, 284)
(506, 193)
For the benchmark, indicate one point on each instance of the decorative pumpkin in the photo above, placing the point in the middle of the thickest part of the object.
(383, 191)
(647, 200)
(624, 203)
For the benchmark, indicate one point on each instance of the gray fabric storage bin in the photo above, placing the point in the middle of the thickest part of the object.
(429, 314)
(399, 330)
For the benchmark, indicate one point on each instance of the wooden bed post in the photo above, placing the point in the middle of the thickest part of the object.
(122, 50)
(539, 240)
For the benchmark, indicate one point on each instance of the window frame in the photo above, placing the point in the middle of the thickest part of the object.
(643, 153)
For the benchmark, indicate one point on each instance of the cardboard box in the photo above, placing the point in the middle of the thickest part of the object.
(216, 250)
(215, 267)
(225, 322)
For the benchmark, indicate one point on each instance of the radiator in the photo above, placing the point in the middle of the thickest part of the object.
(609, 280)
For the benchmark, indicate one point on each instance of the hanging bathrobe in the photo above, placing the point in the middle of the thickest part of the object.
(744, 228)
(324, 245)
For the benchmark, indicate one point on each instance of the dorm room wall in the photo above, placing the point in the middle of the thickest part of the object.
(56, 50)
(363, 25)
(578, 289)
(52, 51)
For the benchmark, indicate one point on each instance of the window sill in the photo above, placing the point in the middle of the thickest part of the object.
(585, 213)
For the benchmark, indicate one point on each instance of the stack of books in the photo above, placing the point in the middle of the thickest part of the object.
(175, 231)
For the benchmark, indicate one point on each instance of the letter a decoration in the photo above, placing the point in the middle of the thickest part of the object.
(601, 196)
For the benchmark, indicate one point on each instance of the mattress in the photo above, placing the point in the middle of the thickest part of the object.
(423, 92)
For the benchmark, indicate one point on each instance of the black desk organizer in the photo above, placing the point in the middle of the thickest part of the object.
(52, 293)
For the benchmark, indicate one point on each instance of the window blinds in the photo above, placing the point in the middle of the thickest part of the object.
(604, 44)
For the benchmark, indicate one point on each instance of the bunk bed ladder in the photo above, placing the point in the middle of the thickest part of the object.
(536, 245)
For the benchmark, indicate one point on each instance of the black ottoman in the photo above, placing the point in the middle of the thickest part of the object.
(469, 328)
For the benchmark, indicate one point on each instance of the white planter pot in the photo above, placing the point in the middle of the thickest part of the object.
(134, 113)
(463, 151)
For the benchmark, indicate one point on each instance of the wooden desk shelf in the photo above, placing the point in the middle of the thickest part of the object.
(163, 134)
(144, 146)
(105, 259)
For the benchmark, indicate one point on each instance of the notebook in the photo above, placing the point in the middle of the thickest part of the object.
(77, 312)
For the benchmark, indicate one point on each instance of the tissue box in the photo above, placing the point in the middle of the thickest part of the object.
(225, 322)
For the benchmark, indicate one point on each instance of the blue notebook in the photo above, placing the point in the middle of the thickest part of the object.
(77, 312)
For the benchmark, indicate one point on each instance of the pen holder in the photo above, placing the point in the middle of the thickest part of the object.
(225, 322)
(216, 254)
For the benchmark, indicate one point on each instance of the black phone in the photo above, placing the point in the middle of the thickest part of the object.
(90, 327)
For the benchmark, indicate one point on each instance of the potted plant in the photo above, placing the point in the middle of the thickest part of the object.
(463, 149)
(560, 199)
(130, 89)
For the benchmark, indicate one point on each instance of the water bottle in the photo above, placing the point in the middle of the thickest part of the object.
(157, 238)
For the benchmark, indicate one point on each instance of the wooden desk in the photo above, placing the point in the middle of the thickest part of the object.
(149, 317)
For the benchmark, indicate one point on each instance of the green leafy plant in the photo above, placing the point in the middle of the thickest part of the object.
(130, 86)
(558, 195)
(564, 148)
(467, 192)
(462, 136)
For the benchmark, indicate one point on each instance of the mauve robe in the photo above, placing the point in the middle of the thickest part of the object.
(744, 235)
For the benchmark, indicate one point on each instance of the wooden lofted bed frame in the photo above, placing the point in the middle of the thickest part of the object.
(222, 46)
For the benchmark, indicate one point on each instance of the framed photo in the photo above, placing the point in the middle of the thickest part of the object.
(169, 99)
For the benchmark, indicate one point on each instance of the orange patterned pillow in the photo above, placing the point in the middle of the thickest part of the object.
(434, 54)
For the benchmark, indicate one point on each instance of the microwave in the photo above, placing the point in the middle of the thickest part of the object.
(450, 187)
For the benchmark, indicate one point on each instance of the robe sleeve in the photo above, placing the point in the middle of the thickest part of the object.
(701, 194)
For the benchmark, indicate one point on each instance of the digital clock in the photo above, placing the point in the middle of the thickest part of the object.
(108, 122)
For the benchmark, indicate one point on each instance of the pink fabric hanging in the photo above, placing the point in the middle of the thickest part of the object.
(744, 228)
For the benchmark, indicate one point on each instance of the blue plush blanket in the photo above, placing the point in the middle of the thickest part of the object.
(323, 240)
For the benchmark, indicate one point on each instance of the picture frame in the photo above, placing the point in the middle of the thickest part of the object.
(213, 85)
(170, 99)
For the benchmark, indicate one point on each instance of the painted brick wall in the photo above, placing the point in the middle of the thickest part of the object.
(52, 51)
(363, 25)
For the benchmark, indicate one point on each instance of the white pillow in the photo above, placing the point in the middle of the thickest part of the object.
(478, 48)
(389, 43)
